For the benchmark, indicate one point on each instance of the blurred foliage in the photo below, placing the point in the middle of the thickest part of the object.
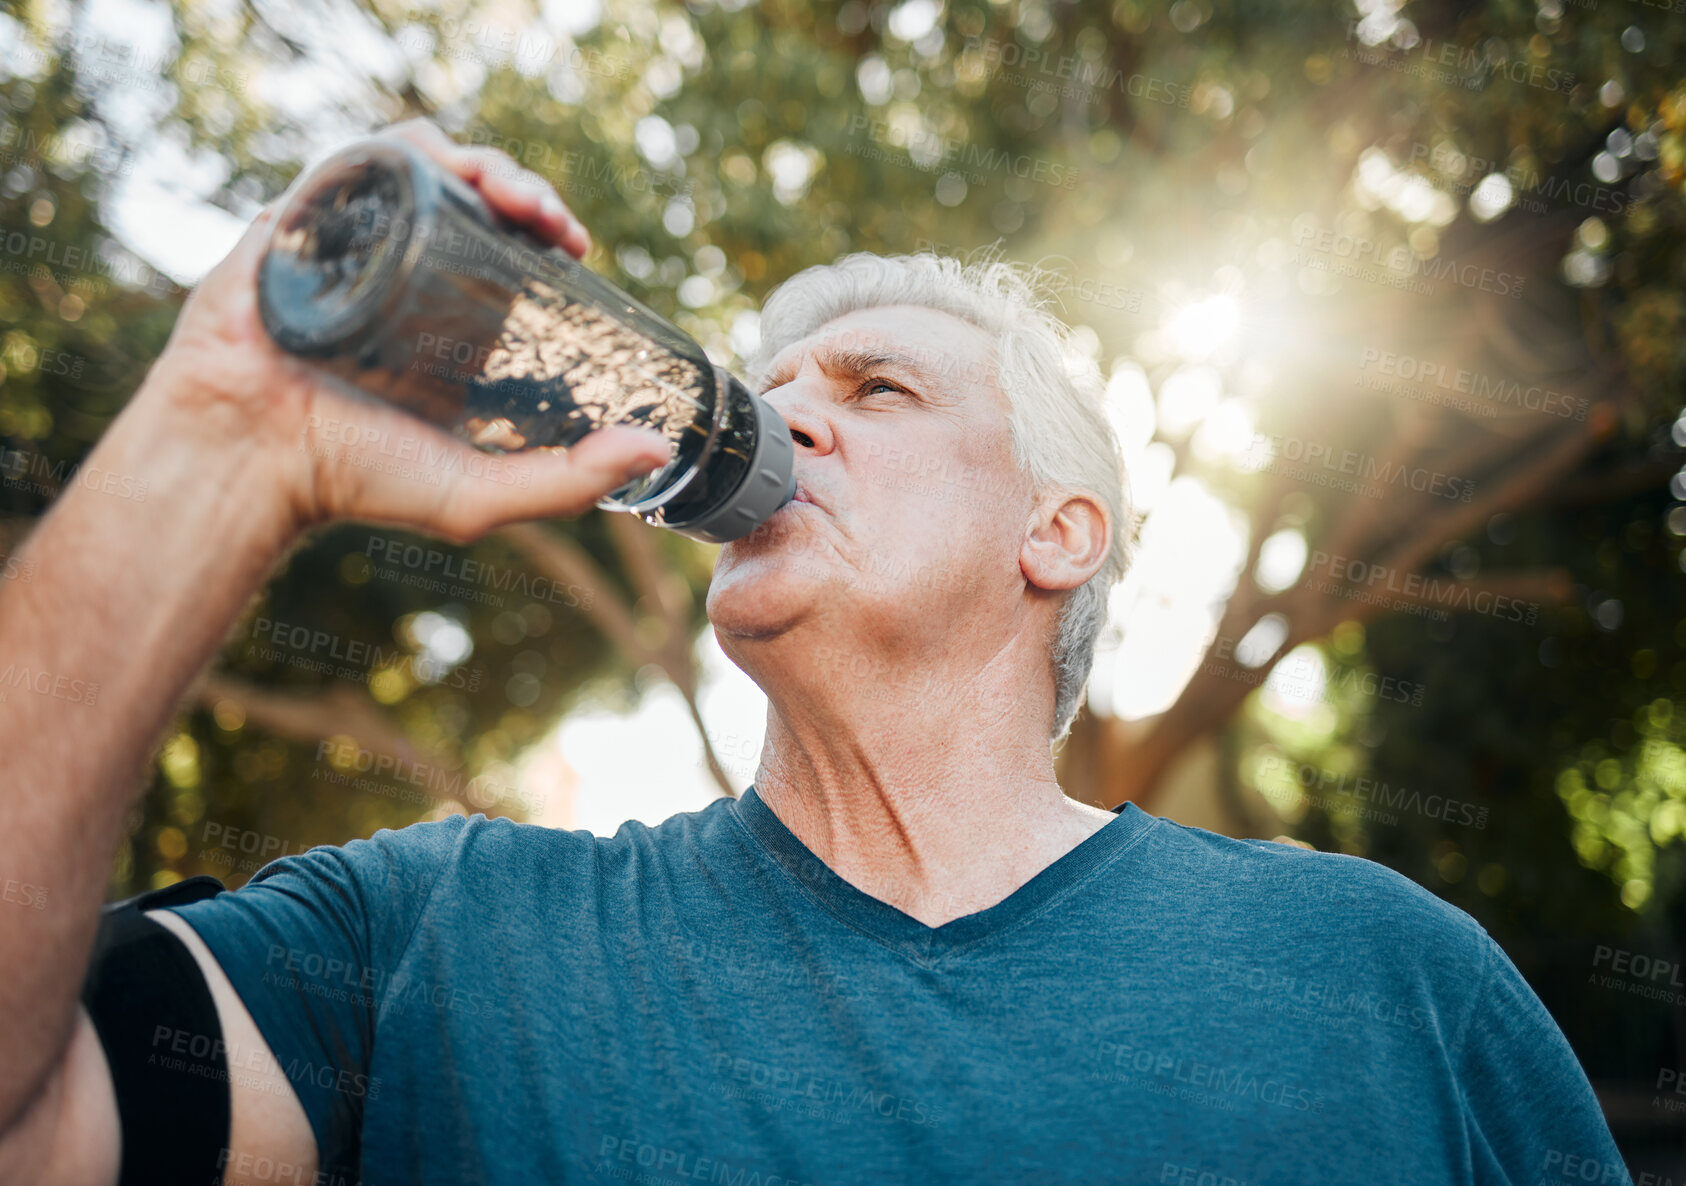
(1145, 156)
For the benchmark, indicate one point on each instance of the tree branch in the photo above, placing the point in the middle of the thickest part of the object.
(565, 561)
(340, 710)
(672, 600)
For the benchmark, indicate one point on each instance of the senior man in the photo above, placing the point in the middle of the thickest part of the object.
(903, 956)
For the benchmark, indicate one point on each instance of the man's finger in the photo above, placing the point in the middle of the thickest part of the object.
(517, 194)
(453, 490)
(548, 483)
(524, 197)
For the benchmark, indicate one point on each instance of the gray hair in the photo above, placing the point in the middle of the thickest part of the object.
(1060, 432)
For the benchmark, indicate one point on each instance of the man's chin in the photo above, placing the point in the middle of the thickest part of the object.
(760, 593)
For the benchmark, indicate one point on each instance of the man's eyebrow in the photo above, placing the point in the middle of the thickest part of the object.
(856, 362)
(863, 362)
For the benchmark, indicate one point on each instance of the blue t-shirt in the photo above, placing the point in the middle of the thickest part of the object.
(481, 1001)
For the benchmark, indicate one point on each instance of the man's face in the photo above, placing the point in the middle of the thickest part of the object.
(910, 510)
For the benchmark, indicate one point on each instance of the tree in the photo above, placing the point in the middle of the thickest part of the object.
(1395, 292)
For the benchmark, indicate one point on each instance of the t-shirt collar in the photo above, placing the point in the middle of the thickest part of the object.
(902, 932)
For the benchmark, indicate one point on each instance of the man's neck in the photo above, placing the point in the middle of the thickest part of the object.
(938, 800)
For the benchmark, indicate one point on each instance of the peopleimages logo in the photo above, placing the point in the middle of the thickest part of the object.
(1502, 392)
(47, 683)
(1637, 973)
(1218, 1085)
(1364, 789)
(800, 1085)
(28, 146)
(1304, 676)
(1365, 581)
(1562, 1166)
(27, 251)
(23, 893)
(1194, 1175)
(441, 782)
(1532, 189)
(437, 571)
(1267, 452)
(929, 151)
(333, 978)
(662, 1163)
(321, 643)
(256, 1167)
(1396, 264)
(315, 650)
(39, 475)
(1086, 75)
(937, 469)
(424, 458)
(579, 173)
(262, 846)
(1466, 65)
(1272, 991)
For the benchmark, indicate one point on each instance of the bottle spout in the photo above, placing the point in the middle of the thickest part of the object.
(768, 483)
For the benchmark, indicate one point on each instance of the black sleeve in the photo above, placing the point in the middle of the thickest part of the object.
(158, 1024)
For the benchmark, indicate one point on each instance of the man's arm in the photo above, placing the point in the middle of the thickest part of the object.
(1530, 1115)
(210, 473)
(133, 596)
(71, 1135)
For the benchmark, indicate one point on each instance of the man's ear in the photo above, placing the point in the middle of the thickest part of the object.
(1067, 542)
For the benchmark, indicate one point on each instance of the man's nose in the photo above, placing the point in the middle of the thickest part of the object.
(801, 404)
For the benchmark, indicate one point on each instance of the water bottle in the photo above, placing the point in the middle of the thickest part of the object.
(389, 272)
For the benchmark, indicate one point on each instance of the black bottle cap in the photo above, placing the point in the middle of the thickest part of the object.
(339, 246)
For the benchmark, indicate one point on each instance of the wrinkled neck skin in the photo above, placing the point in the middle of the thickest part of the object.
(922, 776)
(901, 629)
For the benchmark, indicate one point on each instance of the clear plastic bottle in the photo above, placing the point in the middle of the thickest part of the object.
(389, 272)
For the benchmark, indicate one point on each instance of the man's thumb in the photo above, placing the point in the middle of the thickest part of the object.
(622, 452)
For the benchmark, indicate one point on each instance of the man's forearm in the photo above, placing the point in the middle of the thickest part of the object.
(158, 543)
(119, 598)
